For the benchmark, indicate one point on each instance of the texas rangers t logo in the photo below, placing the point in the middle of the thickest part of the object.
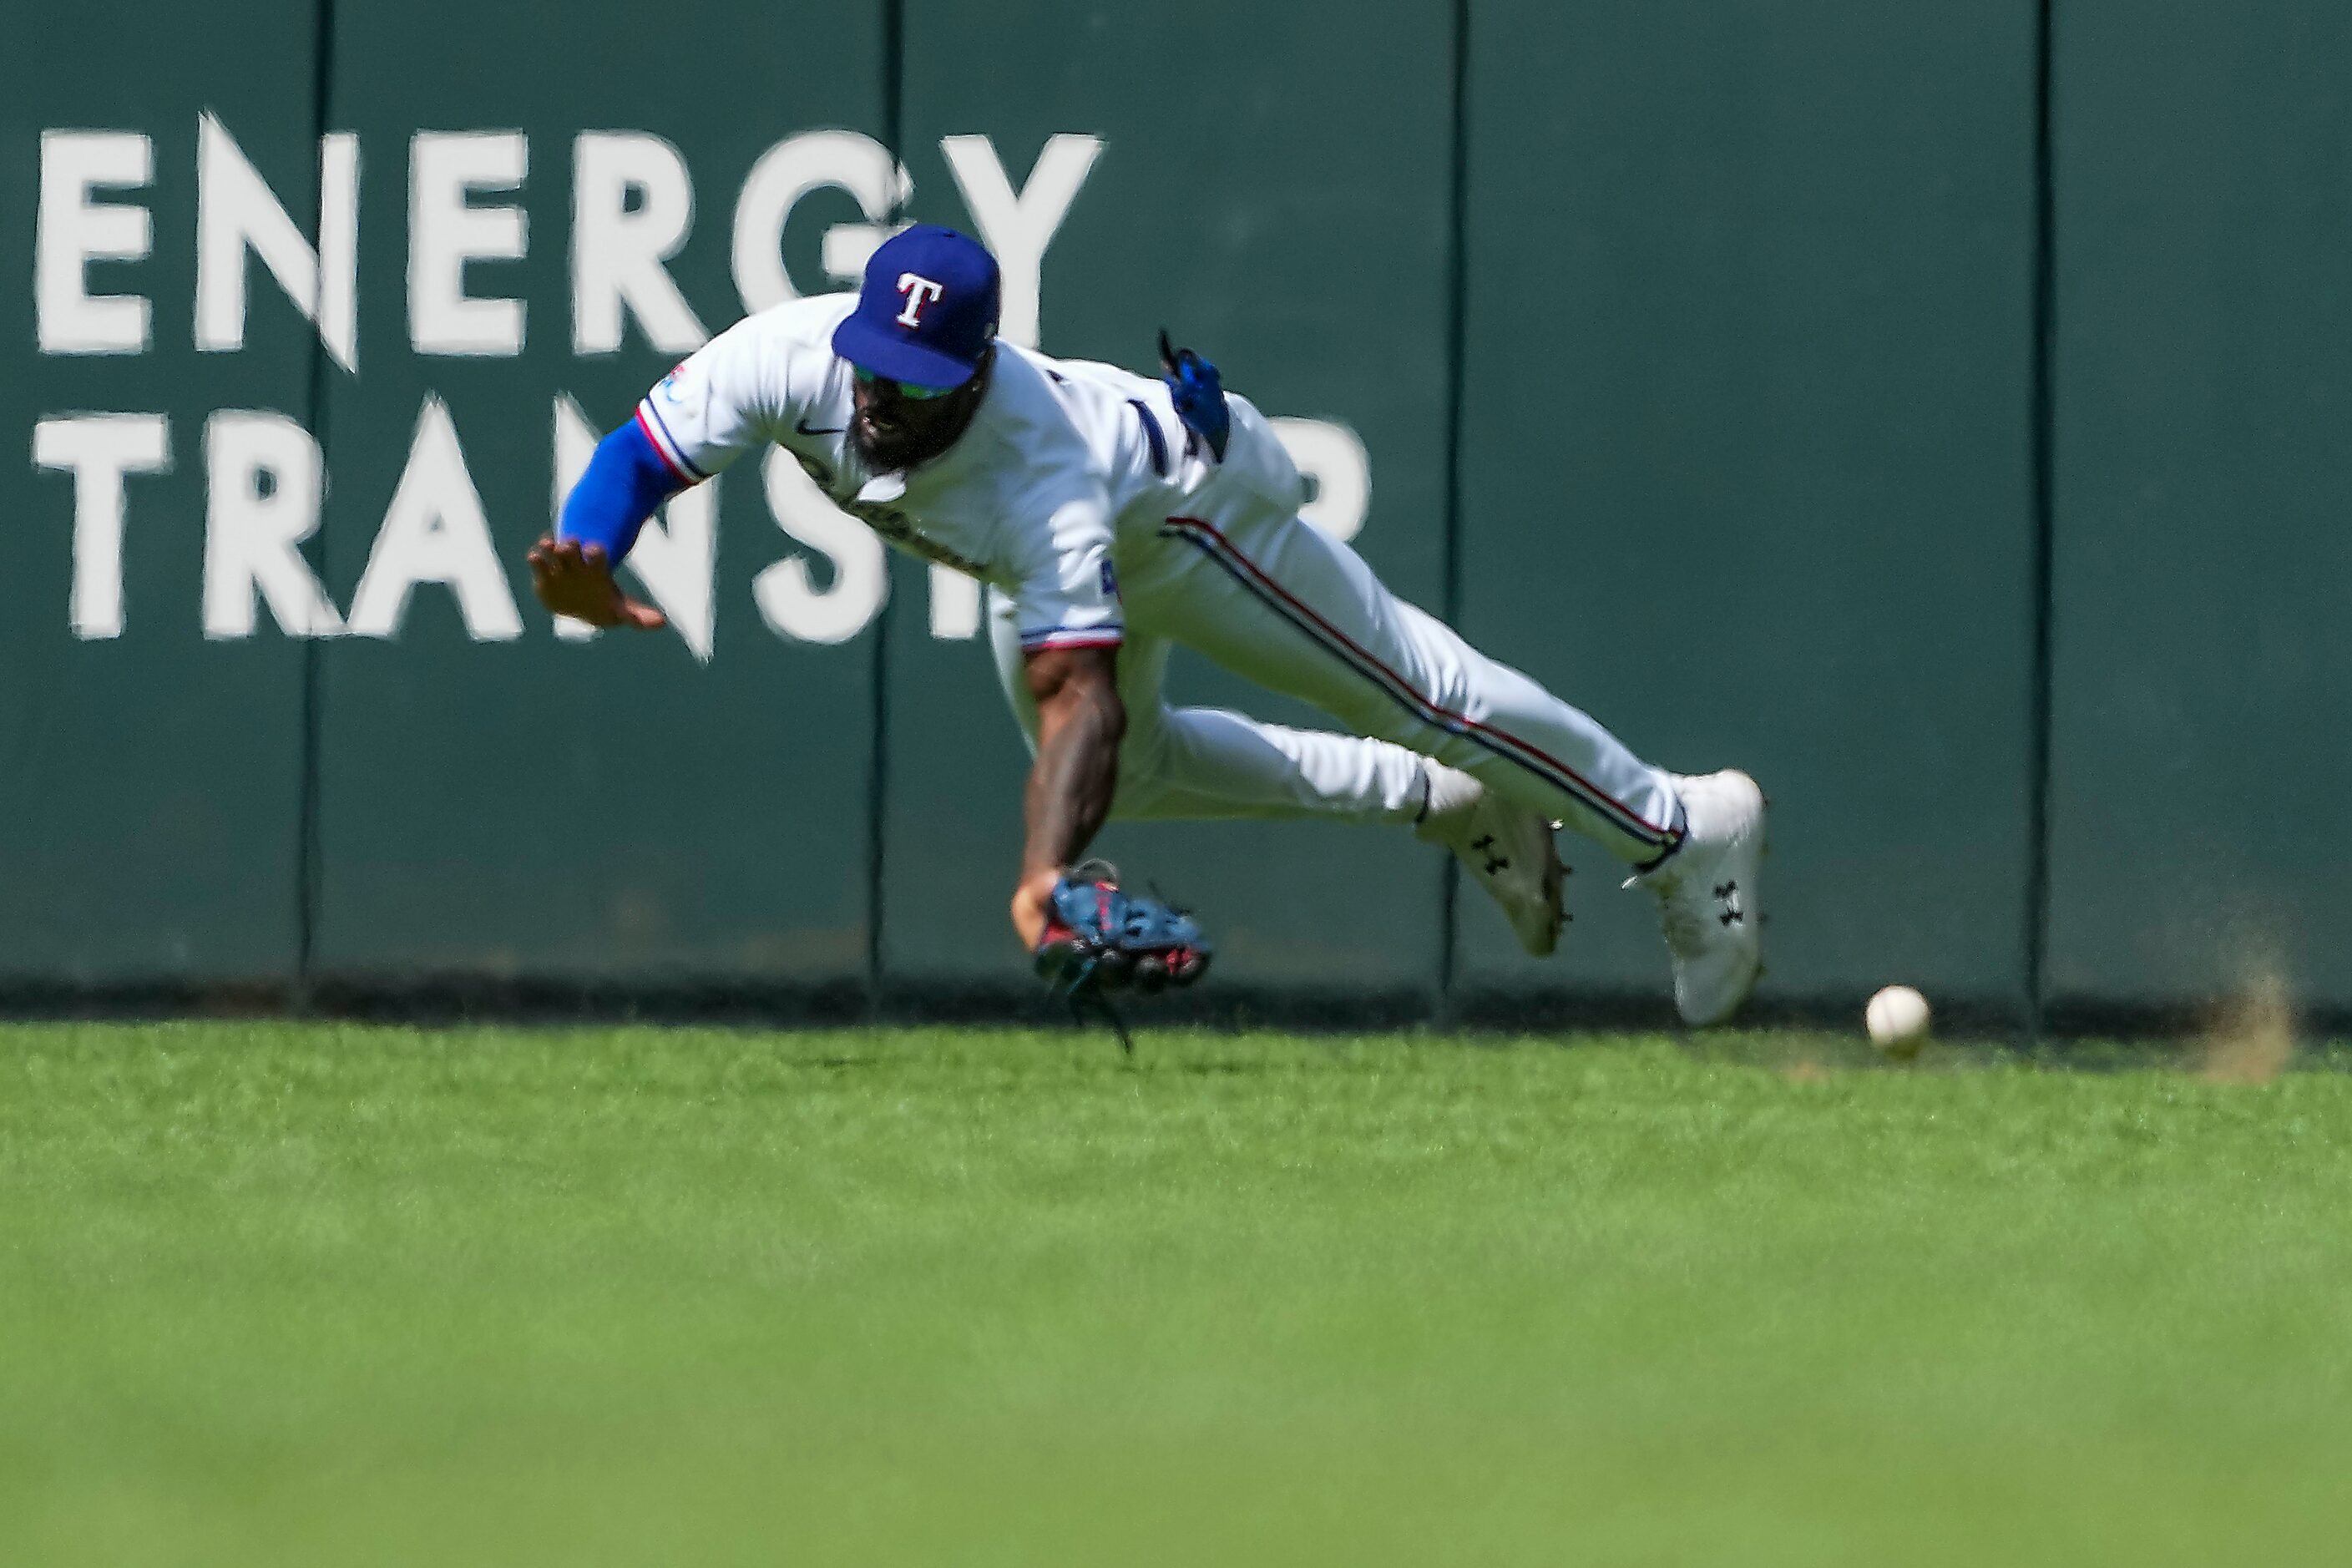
(919, 292)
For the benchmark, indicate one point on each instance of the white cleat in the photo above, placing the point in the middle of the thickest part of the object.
(1709, 905)
(1508, 850)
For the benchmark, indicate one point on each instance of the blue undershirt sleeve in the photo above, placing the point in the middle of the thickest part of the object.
(626, 481)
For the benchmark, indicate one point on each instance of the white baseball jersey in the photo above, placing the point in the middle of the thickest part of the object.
(1069, 463)
(1058, 458)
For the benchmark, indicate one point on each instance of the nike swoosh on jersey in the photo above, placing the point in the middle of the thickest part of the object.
(801, 424)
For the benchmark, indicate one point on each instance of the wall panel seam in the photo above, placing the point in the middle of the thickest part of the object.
(309, 870)
(2042, 414)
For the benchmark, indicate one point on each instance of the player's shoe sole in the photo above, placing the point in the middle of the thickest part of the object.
(1710, 897)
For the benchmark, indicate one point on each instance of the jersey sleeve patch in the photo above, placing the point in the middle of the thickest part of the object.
(722, 400)
(1063, 588)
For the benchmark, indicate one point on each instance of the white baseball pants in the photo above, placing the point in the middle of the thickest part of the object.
(1240, 578)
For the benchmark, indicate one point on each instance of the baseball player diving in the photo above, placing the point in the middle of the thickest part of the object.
(1113, 516)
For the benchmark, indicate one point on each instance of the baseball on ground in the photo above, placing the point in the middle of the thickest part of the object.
(1897, 1018)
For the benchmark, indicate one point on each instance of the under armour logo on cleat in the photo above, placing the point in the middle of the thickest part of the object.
(1486, 847)
(1727, 894)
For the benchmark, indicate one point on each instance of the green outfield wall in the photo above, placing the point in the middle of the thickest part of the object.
(2203, 690)
(1935, 409)
(1750, 472)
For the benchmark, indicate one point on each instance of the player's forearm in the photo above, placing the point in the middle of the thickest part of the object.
(624, 481)
(1075, 775)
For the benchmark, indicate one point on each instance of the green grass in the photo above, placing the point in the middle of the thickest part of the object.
(327, 1296)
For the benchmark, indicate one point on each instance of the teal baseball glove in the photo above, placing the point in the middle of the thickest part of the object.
(1100, 938)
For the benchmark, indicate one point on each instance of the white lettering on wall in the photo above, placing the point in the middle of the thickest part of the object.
(446, 231)
(617, 254)
(99, 449)
(789, 599)
(677, 555)
(263, 482)
(1332, 458)
(1018, 227)
(236, 211)
(434, 531)
(76, 230)
(790, 170)
(632, 215)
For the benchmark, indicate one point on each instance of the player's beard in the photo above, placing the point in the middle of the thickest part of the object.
(915, 431)
(883, 457)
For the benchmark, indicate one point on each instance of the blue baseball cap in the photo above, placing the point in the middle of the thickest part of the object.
(927, 311)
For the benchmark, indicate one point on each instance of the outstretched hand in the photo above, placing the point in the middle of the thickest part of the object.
(1033, 905)
(576, 580)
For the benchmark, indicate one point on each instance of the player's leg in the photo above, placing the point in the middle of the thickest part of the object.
(1206, 763)
(1274, 600)
(1281, 604)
